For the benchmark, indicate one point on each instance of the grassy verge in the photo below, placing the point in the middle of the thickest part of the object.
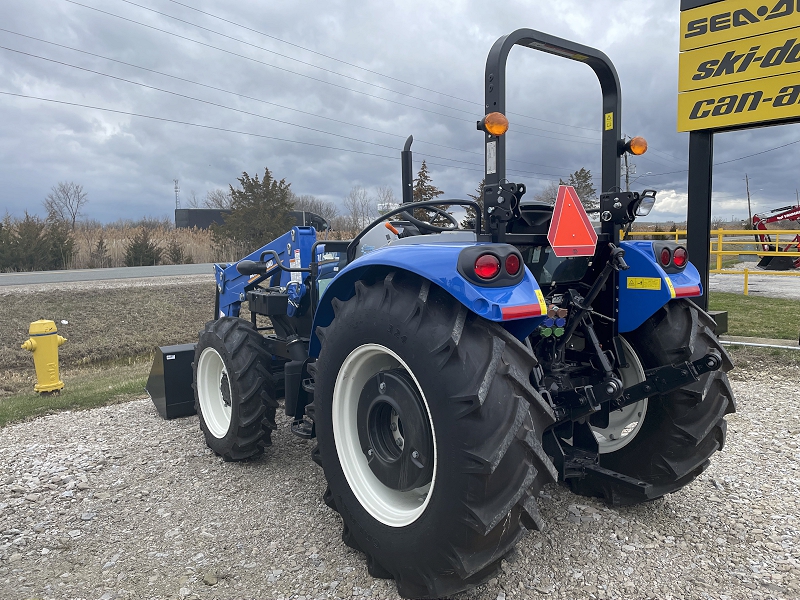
(745, 357)
(105, 324)
(756, 316)
(83, 388)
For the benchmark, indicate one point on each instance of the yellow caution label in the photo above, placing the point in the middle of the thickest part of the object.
(644, 283)
(671, 287)
(735, 20)
(540, 298)
(609, 121)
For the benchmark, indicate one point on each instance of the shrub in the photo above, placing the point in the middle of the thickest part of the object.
(176, 255)
(142, 250)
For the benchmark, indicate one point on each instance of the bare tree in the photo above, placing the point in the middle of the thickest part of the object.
(65, 201)
(386, 199)
(193, 201)
(359, 208)
(218, 198)
(548, 194)
(312, 204)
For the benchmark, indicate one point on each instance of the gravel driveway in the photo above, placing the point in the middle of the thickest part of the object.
(116, 503)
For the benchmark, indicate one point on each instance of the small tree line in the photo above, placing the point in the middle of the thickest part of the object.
(258, 208)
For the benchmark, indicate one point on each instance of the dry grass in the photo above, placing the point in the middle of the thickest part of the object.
(103, 324)
(196, 243)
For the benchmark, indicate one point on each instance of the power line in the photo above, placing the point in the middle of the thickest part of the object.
(579, 140)
(344, 62)
(223, 129)
(178, 78)
(252, 114)
(725, 162)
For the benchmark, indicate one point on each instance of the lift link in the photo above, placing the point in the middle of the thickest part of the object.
(670, 377)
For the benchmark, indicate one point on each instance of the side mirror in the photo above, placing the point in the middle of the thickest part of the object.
(646, 202)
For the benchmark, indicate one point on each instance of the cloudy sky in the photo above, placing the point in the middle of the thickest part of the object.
(325, 93)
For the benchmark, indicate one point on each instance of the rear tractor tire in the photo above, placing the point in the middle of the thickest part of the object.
(429, 434)
(670, 438)
(232, 385)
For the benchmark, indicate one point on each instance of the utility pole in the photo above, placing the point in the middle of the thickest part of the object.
(629, 169)
(177, 200)
(749, 210)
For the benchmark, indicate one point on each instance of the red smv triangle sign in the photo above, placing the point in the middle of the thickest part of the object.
(571, 232)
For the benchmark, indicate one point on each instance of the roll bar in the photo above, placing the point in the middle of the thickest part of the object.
(495, 82)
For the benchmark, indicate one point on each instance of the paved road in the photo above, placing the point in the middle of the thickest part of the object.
(39, 277)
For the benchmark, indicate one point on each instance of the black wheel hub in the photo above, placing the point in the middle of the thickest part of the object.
(225, 389)
(394, 431)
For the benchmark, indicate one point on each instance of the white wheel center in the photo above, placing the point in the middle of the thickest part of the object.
(390, 507)
(214, 392)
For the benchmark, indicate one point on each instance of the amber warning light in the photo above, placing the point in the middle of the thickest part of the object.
(636, 146)
(494, 123)
(571, 232)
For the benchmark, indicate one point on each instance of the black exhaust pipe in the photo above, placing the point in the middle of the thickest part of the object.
(407, 171)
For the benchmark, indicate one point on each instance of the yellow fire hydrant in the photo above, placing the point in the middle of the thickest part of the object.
(44, 343)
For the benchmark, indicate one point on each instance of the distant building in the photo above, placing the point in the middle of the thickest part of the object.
(203, 218)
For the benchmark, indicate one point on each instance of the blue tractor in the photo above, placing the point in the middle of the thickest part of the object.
(448, 373)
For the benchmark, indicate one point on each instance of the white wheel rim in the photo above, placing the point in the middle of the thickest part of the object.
(210, 373)
(390, 507)
(624, 423)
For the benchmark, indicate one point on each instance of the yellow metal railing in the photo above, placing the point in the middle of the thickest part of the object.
(729, 242)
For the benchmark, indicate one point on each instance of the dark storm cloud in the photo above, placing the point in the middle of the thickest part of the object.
(127, 164)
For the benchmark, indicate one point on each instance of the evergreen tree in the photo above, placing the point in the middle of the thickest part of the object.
(424, 190)
(99, 257)
(142, 250)
(176, 255)
(259, 212)
(29, 245)
(61, 245)
(581, 180)
(469, 220)
(5, 244)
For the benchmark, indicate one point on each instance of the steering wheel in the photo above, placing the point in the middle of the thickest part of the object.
(429, 226)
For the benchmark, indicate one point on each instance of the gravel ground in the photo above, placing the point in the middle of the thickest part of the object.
(116, 503)
(773, 286)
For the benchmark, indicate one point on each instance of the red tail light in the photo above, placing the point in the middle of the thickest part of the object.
(680, 257)
(665, 257)
(512, 264)
(487, 266)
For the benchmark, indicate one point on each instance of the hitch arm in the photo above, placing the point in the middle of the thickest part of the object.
(670, 377)
(582, 402)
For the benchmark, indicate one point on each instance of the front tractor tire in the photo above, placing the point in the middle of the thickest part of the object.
(429, 433)
(232, 383)
(670, 438)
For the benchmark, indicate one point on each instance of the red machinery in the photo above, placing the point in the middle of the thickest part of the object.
(777, 263)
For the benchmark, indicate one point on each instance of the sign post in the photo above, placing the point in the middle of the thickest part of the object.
(739, 68)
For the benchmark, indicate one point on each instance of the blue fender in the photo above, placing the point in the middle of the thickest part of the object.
(519, 308)
(646, 287)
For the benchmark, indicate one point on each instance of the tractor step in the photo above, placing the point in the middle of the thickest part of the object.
(303, 428)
